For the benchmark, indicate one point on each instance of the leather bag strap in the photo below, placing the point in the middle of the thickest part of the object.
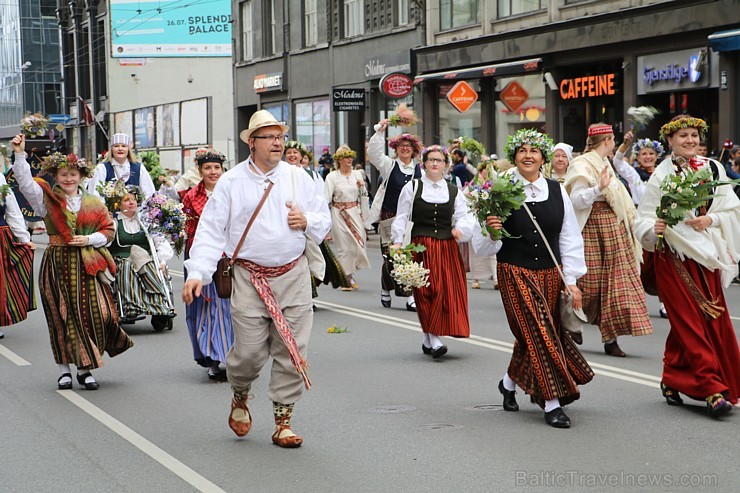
(249, 224)
(547, 244)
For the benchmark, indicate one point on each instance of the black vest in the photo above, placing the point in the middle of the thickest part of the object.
(433, 220)
(396, 181)
(134, 173)
(526, 248)
(3, 209)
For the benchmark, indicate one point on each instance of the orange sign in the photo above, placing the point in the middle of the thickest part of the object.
(591, 86)
(514, 96)
(462, 96)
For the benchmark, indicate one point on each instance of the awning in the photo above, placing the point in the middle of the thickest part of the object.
(725, 40)
(495, 70)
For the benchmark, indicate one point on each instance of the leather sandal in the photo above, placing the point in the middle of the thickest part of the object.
(87, 381)
(240, 420)
(671, 395)
(65, 385)
(283, 439)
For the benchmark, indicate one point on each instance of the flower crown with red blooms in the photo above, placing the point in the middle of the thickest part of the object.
(56, 161)
(411, 139)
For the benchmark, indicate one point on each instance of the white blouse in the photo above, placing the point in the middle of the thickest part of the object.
(14, 216)
(433, 192)
(121, 172)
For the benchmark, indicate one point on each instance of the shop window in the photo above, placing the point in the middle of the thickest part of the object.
(310, 23)
(280, 111)
(313, 123)
(269, 40)
(247, 31)
(353, 18)
(523, 108)
(452, 123)
(508, 8)
(457, 13)
(402, 12)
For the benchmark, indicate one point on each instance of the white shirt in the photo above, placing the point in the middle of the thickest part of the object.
(14, 216)
(132, 225)
(121, 172)
(383, 163)
(432, 193)
(34, 194)
(626, 171)
(270, 242)
(572, 255)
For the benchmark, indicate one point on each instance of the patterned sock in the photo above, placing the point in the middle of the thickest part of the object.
(241, 393)
(282, 413)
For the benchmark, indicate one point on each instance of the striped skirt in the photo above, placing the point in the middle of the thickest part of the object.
(546, 363)
(80, 312)
(209, 324)
(334, 273)
(142, 293)
(16, 278)
(613, 295)
(442, 306)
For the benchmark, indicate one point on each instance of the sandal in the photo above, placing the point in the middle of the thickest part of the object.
(671, 395)
(717, 405)
(284, 436)
(87, 380)
(67, 384)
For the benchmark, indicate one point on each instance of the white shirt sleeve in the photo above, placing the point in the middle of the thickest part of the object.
(484, 246)
(464, 220)
(14, 216)
(582, 196)
(30, 189)
(376, 156)
(146, 183)
(329, 188)
(572, 254)
(637, 186)
(97, 240)
(317, 214)
(405, 200)
(163, 247)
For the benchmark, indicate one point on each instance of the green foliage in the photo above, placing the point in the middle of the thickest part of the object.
(151, 163)
(499, 197)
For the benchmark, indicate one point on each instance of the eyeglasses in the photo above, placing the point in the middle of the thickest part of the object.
(405, 146)
(272, 138)
(436, 160)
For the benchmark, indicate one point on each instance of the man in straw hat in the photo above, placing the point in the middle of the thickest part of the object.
(121, 165)
(271, 312)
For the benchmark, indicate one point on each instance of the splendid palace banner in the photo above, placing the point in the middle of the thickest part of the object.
(170, 28)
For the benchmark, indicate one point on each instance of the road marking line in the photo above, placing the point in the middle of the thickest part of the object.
(176, 273)
(506, 347)
(184, 472)
(14, 358)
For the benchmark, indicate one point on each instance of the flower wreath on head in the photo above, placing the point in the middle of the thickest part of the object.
(58, 160)
(435, 148)
(536, 139)
(208, 154)
(294, 144)
(309, 153)
(343, 153)
(650, 144)
(412, 139)
(686, 122)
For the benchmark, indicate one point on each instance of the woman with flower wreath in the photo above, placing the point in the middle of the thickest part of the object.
(396, 173)
(613, 297)
(441, 220)
(16, 261)
(208, 317)
(140, 281)
(701, 359)
(344, 190)
(76, 269)
(546, 362)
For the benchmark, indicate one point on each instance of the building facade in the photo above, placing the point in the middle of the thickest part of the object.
(316, 64)
(30, 68)
(160, 73)
(560, 65)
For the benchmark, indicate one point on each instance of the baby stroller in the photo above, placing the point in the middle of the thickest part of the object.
(143, 272)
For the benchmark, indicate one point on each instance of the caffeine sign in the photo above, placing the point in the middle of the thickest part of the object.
(462, 96)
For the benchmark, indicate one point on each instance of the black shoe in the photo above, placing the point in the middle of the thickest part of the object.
(64, 386)
(2, 334)
(89, 385)
(671, 395)
(717, 405)
(613, 349)
(577, 337)
(426, 350)
(438, 352)
(509, 397)
(385, 300)
(557, 418)
(663, 312)
(314, 307)
(218, 375)
(410, 307)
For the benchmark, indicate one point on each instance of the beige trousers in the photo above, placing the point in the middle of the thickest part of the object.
(255, 336)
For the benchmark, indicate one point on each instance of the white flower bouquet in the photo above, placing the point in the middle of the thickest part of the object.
(406, 271)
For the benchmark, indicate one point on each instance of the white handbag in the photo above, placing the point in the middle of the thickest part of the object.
(409, 222)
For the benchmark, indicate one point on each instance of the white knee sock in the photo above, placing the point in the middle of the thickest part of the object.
(508, 382)
(425, 339)
(434, 341)
(385, 292)
(552, 404)
(410, 300)
(64, 368)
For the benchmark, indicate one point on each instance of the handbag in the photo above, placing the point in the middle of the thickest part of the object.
(385, 226)
(571, 320)
(409, 222)
(224, 268)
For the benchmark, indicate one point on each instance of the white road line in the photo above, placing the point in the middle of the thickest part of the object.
(176, 273)
(184, 472)
(14, 358)
(506, 347)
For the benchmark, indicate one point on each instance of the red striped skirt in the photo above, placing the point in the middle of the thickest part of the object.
(442, 306)
(16, 278)
(613, 295)
(546, 363)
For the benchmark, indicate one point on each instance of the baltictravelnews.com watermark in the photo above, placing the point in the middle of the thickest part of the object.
(612, 479)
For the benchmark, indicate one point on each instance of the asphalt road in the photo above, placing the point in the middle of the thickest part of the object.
(380, 417)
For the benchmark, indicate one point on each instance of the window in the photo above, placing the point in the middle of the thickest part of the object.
(310, 23)
(456, 13)
(269, 27)
(514, 7)
(402, 12)
(353, 18)
(247, 31)
(313, 123)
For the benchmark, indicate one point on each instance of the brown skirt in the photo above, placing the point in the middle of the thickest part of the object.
(546, 363)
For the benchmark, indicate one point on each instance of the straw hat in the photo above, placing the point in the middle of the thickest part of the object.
(262, 118)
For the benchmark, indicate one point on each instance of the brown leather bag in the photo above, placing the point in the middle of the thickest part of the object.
(224, 269)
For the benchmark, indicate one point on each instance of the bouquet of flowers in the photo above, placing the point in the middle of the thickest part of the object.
(403, 117)
(498, 197)
(475, 148)
(34, 126)
(685, 192)
(165, 217)
(4, 154)
(4, 191)
(407, 272)
(112, 193)
(641, 116)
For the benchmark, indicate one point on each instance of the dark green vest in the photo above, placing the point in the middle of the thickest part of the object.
(121, 246)
(434, 220)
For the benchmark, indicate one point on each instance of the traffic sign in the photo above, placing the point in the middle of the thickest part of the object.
(514, 96)
(462, 96)
(60, 118)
